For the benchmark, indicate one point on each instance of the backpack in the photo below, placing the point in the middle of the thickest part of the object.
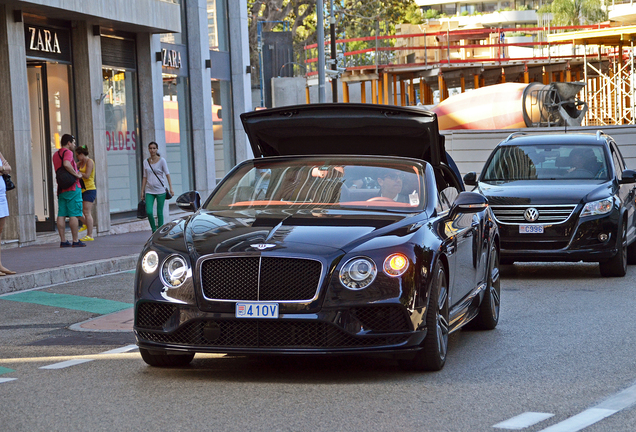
(64, 178)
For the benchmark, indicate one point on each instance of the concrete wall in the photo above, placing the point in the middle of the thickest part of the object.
(165, 16)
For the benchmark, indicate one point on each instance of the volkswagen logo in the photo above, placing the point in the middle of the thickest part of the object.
(531, 214)
(263, 246)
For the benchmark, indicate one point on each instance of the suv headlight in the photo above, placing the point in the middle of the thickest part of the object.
(599, 207)
(174, 271)
(358, 273)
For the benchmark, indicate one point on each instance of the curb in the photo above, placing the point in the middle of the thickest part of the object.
(66, 273)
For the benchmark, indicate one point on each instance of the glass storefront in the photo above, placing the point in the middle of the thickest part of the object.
(217, 25)
(224, 155)
(176, 109)
(122, 134)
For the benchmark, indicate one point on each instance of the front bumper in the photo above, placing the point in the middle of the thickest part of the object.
(573, 241)
(175, 328)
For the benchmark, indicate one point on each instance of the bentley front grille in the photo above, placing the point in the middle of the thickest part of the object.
(260, 278)
(382, 318)
(547, 214)
(267, 334)
(154, 315)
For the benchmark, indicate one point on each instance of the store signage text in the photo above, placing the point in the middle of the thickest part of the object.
(171, 58)
(121, 140)
(44, 40)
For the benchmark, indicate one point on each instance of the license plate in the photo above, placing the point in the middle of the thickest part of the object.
(530, 229)
(257, 310)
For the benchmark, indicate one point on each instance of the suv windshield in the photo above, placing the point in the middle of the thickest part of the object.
(547, 162)
(314, 182)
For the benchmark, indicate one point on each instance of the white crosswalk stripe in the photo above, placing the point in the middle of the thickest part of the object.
(523, 421)
(66, 364)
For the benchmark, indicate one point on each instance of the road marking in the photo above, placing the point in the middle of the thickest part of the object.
(609, 406)
(581, 421)
(4, 380)
(4, 370)
(523, 421)
(121, 350)
(67, 301)
(66, 364)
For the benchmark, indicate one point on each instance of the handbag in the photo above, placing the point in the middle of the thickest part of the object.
(168, 194)
(8, 182)
(141, 210)
(64, 178)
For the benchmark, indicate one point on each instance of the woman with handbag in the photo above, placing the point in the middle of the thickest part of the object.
(153, 186)
(89, 191)
(5, 168)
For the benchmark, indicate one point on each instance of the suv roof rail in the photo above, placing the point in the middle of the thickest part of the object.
(598, 134)
(513, 135)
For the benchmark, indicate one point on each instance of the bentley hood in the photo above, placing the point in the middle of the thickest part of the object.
(235, 232)
(345, 128)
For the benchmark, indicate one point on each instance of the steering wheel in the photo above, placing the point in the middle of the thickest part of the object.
(380, 199)
(601, 174)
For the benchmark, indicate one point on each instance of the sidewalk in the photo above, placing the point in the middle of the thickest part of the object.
(45, 264)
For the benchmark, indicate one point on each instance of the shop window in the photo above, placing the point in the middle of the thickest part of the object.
(178, 132)
(224, 154)
(217, 25)
(122, 138)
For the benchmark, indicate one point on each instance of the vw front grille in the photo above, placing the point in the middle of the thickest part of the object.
(260, 278)
(548, 214)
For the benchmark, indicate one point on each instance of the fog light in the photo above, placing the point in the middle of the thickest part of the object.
(602, 237)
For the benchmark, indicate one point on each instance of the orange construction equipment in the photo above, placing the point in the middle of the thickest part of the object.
(513, 106)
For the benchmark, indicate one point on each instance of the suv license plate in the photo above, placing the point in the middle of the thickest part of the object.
(530, 229)
(257, 310)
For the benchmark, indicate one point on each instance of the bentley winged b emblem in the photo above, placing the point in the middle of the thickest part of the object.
(262, 246)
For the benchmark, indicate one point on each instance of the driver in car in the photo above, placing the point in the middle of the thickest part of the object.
(583, 163)
(391, 182)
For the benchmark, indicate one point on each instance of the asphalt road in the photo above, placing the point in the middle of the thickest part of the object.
(562, 354)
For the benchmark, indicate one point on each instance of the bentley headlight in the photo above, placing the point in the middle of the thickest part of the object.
(358, 273)
(396, 264)
(174, 271)
(150, 262)
(599, 207)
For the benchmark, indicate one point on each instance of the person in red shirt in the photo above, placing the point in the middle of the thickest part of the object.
(69, 200)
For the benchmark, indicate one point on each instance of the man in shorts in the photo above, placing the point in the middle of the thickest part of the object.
(69, 200)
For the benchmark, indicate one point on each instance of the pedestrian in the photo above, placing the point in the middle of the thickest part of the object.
(5, 168)
(89, 191)
(156, 175)
(69, 198)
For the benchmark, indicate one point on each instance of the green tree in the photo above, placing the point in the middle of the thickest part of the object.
(354, 18)
(575, 12)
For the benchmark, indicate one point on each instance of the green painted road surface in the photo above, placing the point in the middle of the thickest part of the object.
(4, 370)
(66, 301)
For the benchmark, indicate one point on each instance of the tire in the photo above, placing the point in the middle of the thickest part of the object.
(488, 316)
(432, 357)
(165, 360)
(617, 266)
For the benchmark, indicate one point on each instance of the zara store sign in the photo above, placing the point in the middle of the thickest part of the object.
(50, 43)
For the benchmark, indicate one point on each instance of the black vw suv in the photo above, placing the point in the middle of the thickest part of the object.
(561, 197)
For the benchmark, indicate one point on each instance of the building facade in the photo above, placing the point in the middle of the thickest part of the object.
(117, 75)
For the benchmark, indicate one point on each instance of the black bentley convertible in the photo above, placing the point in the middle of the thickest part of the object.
(349, 233)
